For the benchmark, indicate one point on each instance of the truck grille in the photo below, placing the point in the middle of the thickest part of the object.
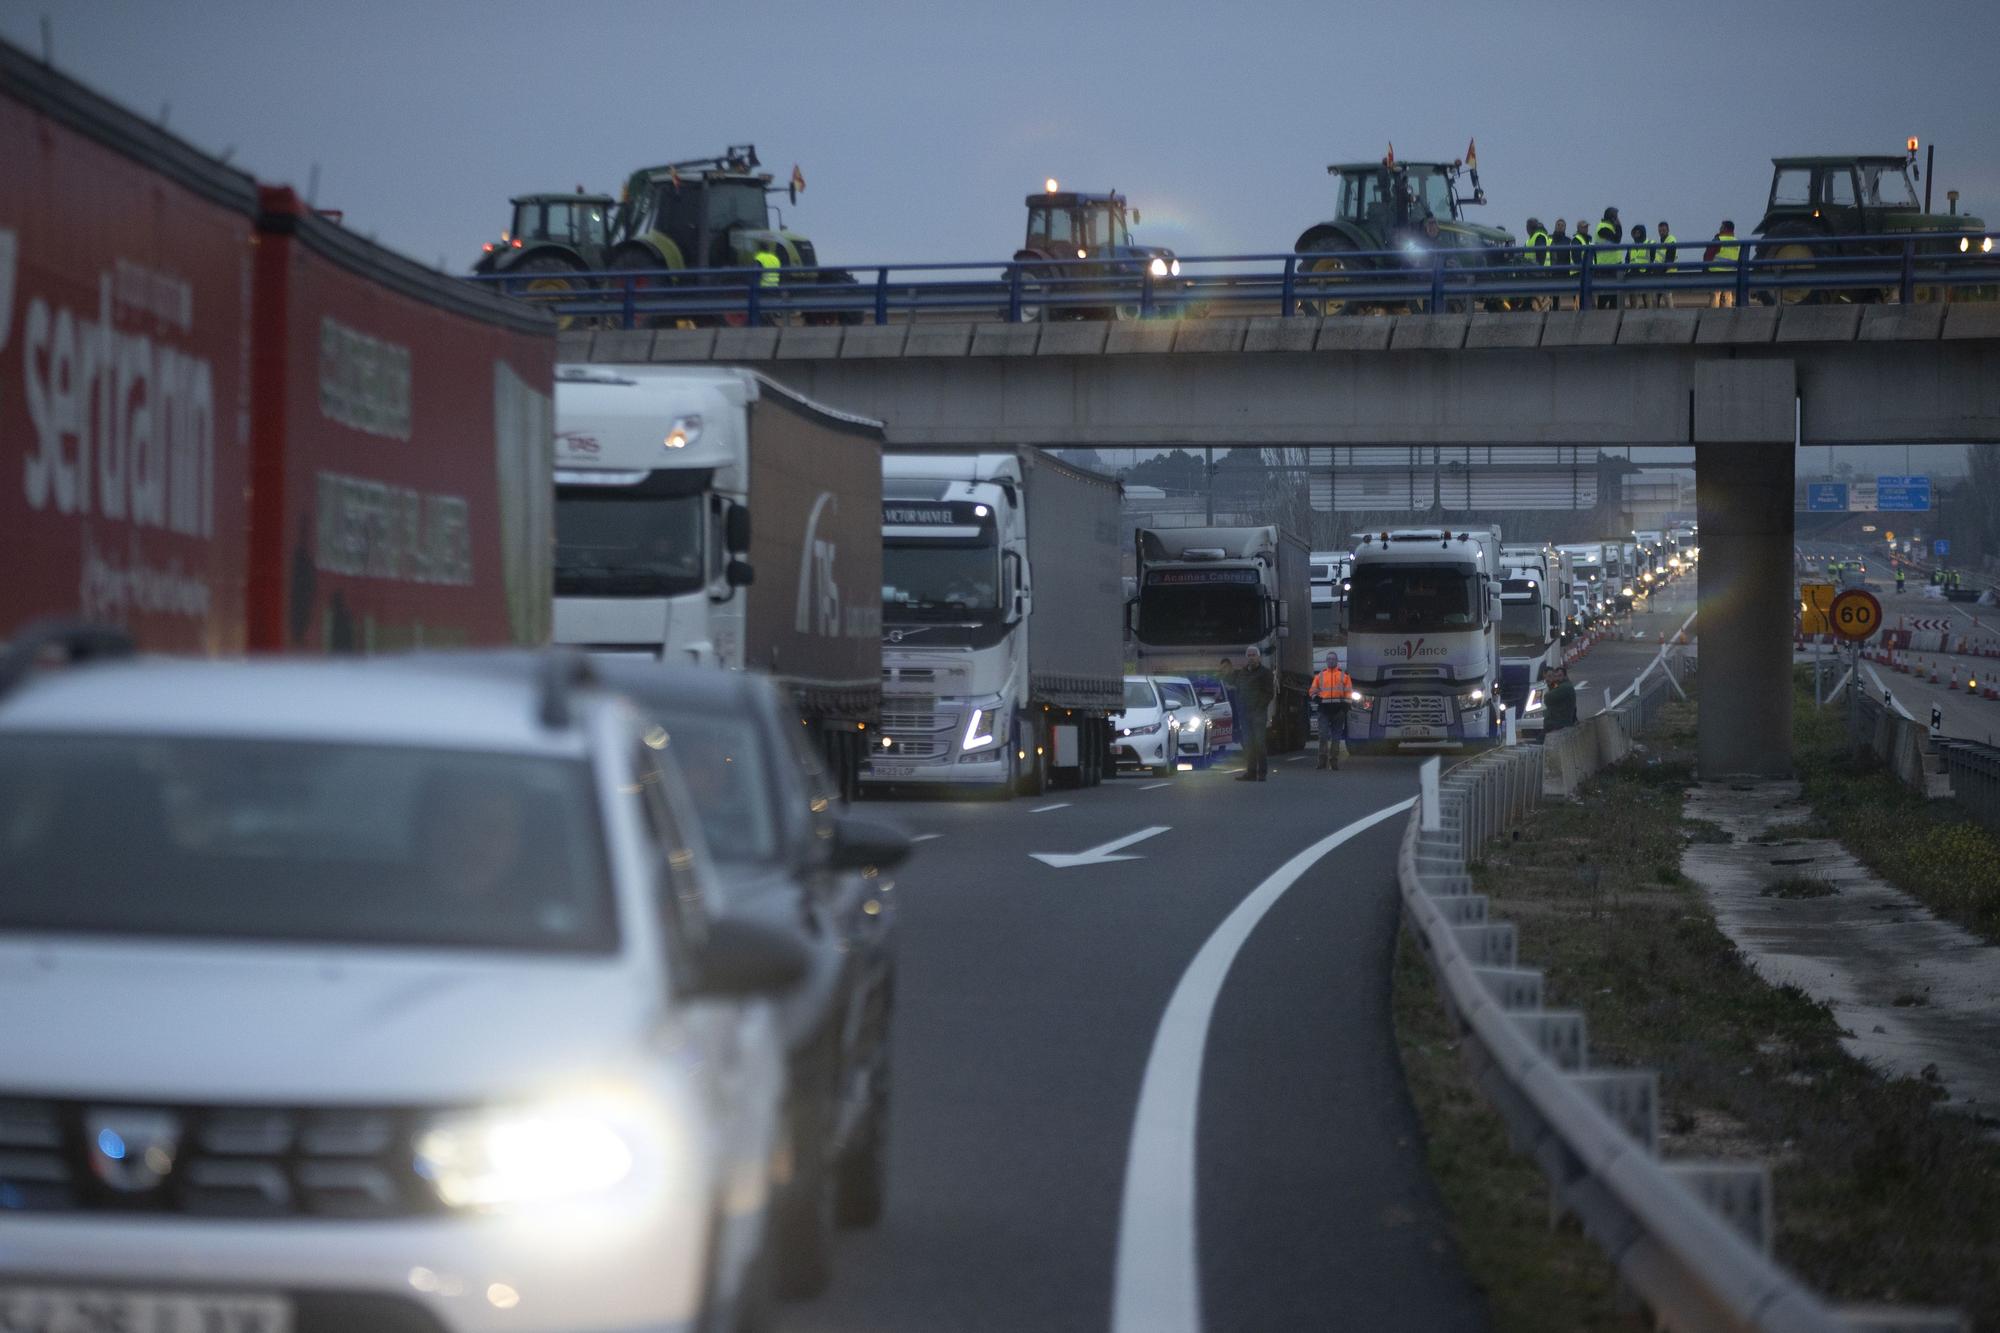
(915, 727)
(1420, 710)
(61, 1156)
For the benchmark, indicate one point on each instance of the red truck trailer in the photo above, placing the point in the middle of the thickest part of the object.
(226, 423)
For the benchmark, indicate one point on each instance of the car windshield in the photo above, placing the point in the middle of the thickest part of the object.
(301, 842)
(921, 579)
(1139, 694)
(611, 543)
(1176, 694)
(1204, 613)
(733, 786)
(1413, 598)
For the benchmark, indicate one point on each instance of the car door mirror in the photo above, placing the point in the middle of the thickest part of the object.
(744, 958)
(860, 843)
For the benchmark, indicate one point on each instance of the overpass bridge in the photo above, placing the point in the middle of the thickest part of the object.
(1739, 385)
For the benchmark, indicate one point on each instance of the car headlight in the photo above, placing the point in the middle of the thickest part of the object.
(526, 1155)
(1158, 268)
(979, 730)
(1149, 729)
(1627, 592)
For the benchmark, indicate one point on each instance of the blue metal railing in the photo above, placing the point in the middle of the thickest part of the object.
(1901, 268)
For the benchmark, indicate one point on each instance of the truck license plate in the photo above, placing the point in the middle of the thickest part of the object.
(1417, 733)
(892, 770)
(97, 1309)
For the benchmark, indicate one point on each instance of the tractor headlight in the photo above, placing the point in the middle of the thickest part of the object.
(1174, 265)
(1985, 247)
(1964, 244)
(1158, 268)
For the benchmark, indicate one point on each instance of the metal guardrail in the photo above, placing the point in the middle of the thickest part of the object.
(1906, 268)
(1691, 1239)
(1973, 768)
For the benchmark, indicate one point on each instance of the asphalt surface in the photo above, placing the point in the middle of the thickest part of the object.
(1030, 1003)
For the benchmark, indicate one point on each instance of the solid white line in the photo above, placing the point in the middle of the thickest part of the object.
(1044, 809)
(1880, 688)
(924, 837)
(1297, 758)
(1157, 1288)
(1155, 786)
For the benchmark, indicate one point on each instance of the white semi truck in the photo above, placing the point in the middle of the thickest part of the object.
(706, 515)
(1210, 593)
(1002, 660)
(1534, 608)
(1423, 644)
(1329, 594)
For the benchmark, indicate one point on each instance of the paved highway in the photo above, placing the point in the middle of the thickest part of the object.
(1157, 1089)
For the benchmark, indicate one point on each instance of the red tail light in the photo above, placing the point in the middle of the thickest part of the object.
(488, 247)
(516, 242)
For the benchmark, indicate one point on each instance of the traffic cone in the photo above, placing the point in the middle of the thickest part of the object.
(1934, 674)
(1952, 683)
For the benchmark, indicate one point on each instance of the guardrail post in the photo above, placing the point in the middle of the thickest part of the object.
(1013, 293)
(1907, 292)
(1585, 280)
(628, 313)
(1742, 275)
(882, 295)
(1437, 282)
(1145, 292)
(1427, 789)
(752, 304)
(1288, 299)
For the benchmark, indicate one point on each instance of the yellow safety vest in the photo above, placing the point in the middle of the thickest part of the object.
(1538, 249)
(769, 263)
(1667, 245)
(1725, 255)
(1639, 254)
(1603, 252)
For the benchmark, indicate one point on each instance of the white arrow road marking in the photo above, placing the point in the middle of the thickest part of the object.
(1155, 786)
(1157, 1288)
(1100, 854)
(924, 837)
(1044, 809)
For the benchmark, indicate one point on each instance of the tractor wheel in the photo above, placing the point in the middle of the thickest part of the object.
(1322, 267)
(629, 257)
(1799, 255)
(552, 280)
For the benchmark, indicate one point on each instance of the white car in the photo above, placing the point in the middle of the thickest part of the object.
(1145, 734)
(370, 995)
(1183, 702)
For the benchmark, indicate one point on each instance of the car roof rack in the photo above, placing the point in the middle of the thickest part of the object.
(64, 641)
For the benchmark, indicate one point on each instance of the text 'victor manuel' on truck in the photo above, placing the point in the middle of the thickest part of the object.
(1210, 593)
(1001, 659)
(1422, 636)
(660, 472)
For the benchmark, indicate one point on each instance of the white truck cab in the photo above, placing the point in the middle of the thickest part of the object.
(1423, 636)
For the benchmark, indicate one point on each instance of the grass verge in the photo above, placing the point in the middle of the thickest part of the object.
(1879, 1197)
(1931, 850)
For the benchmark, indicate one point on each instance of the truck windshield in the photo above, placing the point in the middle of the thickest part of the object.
(610, 543)
(1522, 625)
(924, 579)
(1206, 613)
(1404, 599)
(299, 841)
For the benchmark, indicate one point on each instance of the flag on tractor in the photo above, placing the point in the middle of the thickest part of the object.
(1472, 154)
(1390, 161)
(798, 179)
(674, 177)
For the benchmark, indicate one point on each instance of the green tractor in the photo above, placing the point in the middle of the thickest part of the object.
(552, 239)
(708, 213)
(1855, 194)
(1411, 208)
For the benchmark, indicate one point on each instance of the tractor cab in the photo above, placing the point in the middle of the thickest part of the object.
(1390, 201)
(547, 230)
(703, 213)
(1069, 224)
(1854, 195)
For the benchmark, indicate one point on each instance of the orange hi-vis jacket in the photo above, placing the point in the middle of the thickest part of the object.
(1332, 685)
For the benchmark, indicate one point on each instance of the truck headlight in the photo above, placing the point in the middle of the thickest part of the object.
(979, 730)
(684, 432)
(1471, 698)
(527, 1154)
(1361, 700)
(1158, 268)
(1534, 704)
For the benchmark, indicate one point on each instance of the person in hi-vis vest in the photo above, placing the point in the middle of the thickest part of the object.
(1330, 690)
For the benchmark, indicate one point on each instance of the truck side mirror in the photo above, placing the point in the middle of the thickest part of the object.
(736, 531)
(739, 573)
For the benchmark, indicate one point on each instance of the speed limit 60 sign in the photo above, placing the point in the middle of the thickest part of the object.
(1855, 614)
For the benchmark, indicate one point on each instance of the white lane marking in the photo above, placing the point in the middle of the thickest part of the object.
(1297, 758)
(1155, 786)
(1101, 853)
(1044, 809)
(1156, 1289)
(924, 837)
(1882, 689)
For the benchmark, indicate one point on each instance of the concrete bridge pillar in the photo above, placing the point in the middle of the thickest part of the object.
(1744, 414)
